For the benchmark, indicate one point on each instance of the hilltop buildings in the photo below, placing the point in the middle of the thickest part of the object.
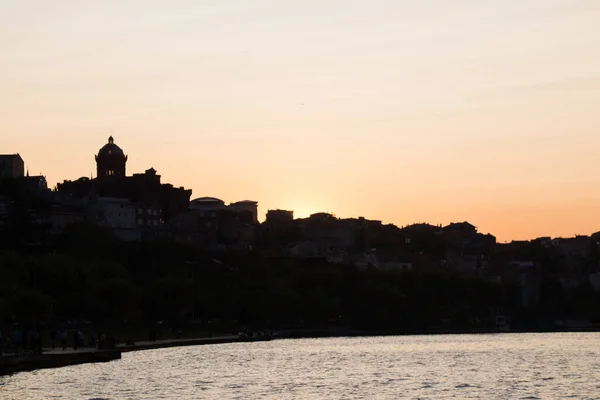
(140, 207)
(458, 247)
(212, 225)
(135, 207)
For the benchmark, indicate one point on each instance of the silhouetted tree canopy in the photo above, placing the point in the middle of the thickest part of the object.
(89, 274)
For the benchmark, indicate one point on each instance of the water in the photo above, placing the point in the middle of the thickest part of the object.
(506, 366)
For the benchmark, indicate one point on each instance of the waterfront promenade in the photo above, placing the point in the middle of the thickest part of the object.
(54, 358)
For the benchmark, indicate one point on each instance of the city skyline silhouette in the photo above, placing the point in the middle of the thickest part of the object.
(399, 112)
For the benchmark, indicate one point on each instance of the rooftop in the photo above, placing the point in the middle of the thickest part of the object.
(111, 149)
(207, 200)
(246, 202)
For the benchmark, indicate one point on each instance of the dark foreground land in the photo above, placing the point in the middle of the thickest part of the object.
(87, 279)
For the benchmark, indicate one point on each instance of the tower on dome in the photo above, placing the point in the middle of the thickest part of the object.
(110, 161)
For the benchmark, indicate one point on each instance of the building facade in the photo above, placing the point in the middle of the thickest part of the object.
(11, 166)
(215, 226)
(246, 206)
(117, 214)
(277, 216)
(60, 217)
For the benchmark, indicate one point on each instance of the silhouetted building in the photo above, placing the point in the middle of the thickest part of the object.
(207, 204)
(461, 228)
(110, 161)
(530, 283)
(5, 209)
(215, 226)
(338, 240)
(422, 228)
(390, 236)
(25, 200)
(279, 216)
(278, 232)
(466, 250)
(119, 215)
(11, 166)
(573, 248)
(246, 206)
(153, 203)
(61, 217)
(35, 185)
(324, 235)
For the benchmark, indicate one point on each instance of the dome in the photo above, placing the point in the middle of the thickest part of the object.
(207, 203)
(111, 149)
(207, 200)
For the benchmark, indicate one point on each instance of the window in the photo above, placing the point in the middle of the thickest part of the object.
(140, 211)
(140, 221)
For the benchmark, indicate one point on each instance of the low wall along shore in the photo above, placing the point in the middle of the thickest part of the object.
(10, 364)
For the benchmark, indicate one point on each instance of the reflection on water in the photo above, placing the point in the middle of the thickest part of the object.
(508, 366)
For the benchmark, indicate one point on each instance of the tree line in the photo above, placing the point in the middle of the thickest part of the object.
(89, 275)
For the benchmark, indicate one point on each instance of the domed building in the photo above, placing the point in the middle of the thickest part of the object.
(207, 203)
(148, 204)
(111, 161)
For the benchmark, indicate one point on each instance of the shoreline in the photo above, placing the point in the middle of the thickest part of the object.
(320, 333)
(15, 363)
(162, 344)
(25, 362)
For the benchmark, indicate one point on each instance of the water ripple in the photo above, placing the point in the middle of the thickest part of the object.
(520, 366)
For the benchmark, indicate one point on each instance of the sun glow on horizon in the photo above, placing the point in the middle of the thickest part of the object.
(397, 111)
(303, 211)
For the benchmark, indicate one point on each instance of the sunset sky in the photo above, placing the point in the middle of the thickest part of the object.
(404, 111)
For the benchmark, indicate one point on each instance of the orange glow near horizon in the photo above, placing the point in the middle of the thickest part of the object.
(399, 111)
